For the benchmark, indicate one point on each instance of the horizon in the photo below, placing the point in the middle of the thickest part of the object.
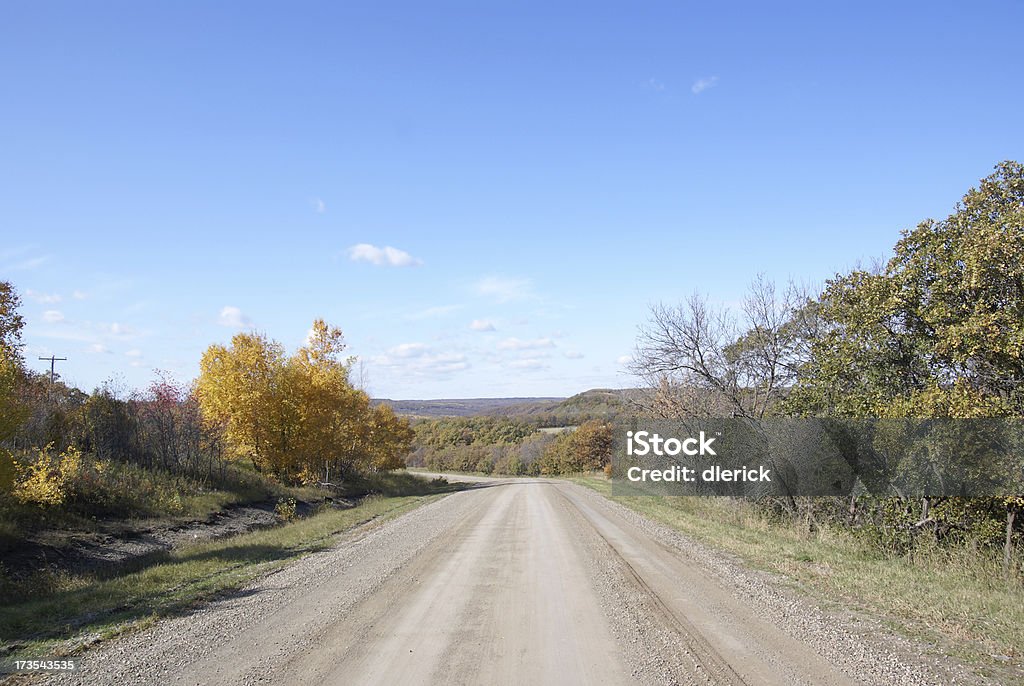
(486, 201)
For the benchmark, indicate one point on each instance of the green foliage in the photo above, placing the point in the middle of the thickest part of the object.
(939, 332)
(582, 449)
(455, 431)
(936, 332)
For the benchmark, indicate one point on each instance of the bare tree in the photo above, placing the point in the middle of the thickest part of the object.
(702, 361)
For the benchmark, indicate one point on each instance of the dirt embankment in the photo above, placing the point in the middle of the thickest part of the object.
(113, 544)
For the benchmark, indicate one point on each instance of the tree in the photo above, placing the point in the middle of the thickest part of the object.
(701, 361)
(937, 332)
(591, 444)
(298, 417)
(242, 388)
(12, 365)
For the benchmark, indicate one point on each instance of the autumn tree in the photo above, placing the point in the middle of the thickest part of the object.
(12, 365)
(243, 388)
(298, 417)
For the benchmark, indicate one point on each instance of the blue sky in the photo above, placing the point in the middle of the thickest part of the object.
(173, 172)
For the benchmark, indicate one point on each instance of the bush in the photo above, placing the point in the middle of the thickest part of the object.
(46, 481)
(285, 509)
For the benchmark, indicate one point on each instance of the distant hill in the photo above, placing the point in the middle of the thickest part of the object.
(467, 407)
(598, 403)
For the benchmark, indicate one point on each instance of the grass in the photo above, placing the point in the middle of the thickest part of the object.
(87, 608)
(957, 598)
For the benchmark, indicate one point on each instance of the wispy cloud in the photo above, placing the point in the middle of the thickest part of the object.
(121, 330)
(99, 348)
(233, 318)
(53, 316)
(319, 205)
(503, 289)
(482, 325)
(45, 298)
(517, 344)
(431, 312)
(654, 84)
(382, 257)
(26, 264)
(702, 84)
(623, 360)
(134, 352)
(529, 363)
(574, 354)
(417, 360)
(79, 295)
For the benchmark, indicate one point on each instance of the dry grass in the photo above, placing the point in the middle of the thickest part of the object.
(957, 597)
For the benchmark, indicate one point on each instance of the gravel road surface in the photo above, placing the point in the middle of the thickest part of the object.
(514, 582)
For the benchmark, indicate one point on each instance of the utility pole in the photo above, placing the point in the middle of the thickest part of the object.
(53, 360)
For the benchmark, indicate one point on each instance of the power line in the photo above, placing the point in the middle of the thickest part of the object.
(53, 360)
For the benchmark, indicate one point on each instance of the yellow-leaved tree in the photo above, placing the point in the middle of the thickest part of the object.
(244, 388)
(298, 417)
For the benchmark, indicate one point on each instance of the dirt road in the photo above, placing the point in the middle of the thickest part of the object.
(511, 582)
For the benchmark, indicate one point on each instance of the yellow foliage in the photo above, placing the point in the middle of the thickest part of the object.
(300, 415)
(45, 481)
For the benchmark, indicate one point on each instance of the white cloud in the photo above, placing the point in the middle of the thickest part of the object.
(79, 295)
(53, 316)
(407, 350)
(702, 84)
(233, 318)
(319, 205)
(517, 344)
(623, 360)
(503, 289)
(45, 298)
(574, 354)
(482, 325)
(654, 84)
(98, 348)
(134, 352)
(382, 257)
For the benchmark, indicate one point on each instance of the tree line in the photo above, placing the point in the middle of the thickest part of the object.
(499, 445)
(937, 331)
(296, 419)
